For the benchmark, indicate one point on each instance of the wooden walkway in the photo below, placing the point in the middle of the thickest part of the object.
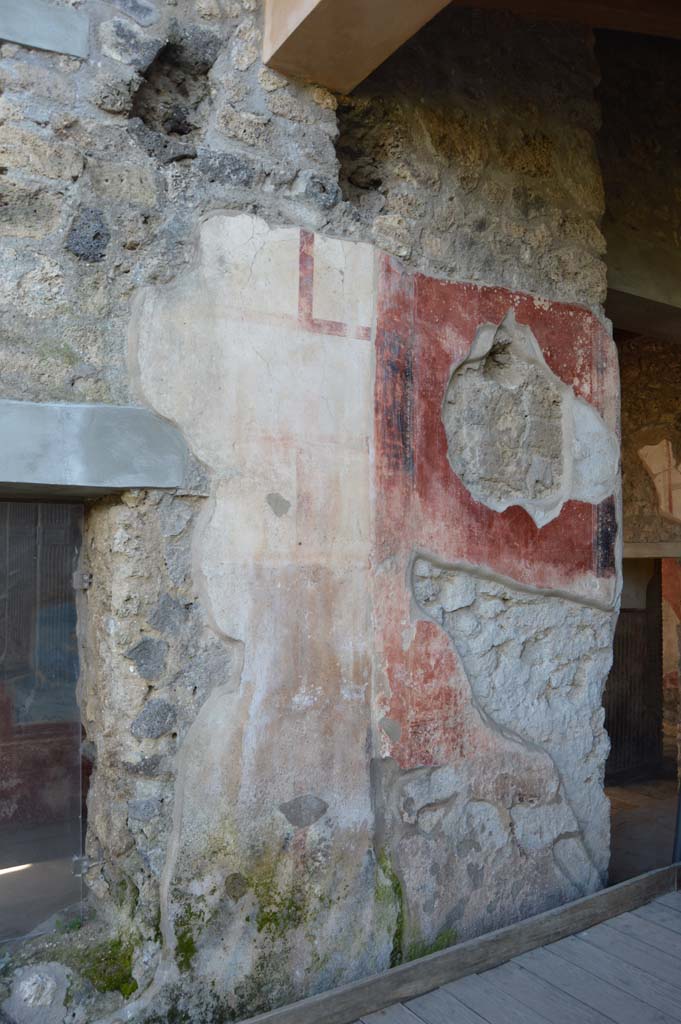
(626, 970)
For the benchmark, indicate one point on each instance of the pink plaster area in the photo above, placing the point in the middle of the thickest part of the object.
(424, 328)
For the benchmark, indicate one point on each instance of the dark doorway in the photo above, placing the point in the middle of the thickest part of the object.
(641, 769)
(633, 693)
(40, 726)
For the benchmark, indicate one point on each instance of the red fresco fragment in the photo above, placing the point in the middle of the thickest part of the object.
(424, 328)
(671, 584)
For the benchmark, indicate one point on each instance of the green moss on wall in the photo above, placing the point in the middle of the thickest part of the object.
(108, 966)
(389, 891)
(446, 938)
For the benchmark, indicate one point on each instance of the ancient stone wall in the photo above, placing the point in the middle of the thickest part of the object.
(639, 94)
(334, 679)
(651, 444)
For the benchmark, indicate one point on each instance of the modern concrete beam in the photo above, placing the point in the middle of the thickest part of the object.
(45, 27)
(337, 43)
(86, 448)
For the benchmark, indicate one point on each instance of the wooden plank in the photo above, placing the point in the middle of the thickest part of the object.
(494, 1004)
(337, 43)
(665, 917)
(546, 999)
(652, 934)
(441, 1007)
(670, 899)
(601, 995)
(341, 1005)
(606, 965)
(654, 17)
(397, 1014)
(632, 952)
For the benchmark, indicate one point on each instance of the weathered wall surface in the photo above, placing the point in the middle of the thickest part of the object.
(638, 148)
(301, 678)
(651, 439)
(471, 153)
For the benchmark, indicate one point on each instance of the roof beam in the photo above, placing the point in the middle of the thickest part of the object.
(337, 43)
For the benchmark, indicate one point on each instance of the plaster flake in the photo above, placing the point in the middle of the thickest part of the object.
(664, 471)
(274, 396)
(517, 435)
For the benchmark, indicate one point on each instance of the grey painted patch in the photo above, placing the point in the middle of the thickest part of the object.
(39, 24)
(89, 447)
(304, 810)
(88, 236)
(156, 718)
(149, 657)
(278, 504)
(38, 994)
(391, 728)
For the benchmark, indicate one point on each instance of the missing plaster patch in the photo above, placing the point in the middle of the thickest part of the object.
(517, 434)
(663, 469)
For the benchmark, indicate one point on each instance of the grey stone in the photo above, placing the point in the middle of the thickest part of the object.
(226, 168)
(144, 810)
(194, 47)
(156, 718)
(303, 811)
(88, 236)
(126, 43)
(324, 192)
(142, 11)
(278, 504)
(148, 767)
(161, 147)
(38, 994)
(149, 656)
(168, 615)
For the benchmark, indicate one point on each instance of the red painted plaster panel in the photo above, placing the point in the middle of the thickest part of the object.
(424, 328)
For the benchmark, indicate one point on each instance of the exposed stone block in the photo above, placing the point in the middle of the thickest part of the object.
(149, 656)
(88, 236)
(156, 718)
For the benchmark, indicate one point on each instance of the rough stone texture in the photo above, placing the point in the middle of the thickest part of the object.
(640, 93)
(134, 134)
(651, 378)
(535, 665)
(88, 236)
(517, 435)
(471, 153)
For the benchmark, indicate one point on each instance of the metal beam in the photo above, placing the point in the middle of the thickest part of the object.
(337, 43)
(45, 27)
(86, 449)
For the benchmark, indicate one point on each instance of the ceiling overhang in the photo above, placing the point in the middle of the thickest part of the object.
(337, 43)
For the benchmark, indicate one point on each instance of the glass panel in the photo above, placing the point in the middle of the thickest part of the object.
(40, 730)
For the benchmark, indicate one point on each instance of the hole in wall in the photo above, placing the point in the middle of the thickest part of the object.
(172, 98)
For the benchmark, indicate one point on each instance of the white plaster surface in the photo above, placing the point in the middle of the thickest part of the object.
(282, 415)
